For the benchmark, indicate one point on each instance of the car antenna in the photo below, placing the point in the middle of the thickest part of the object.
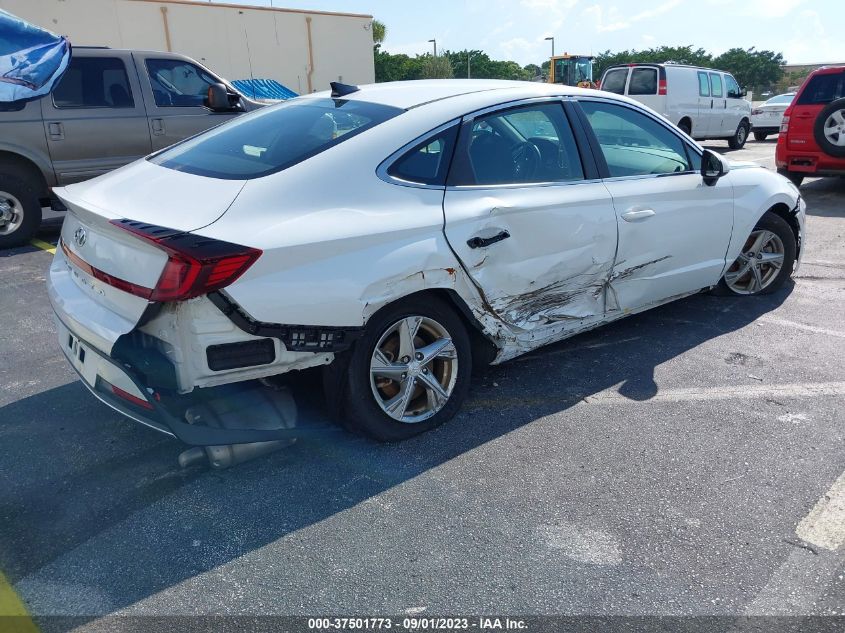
(341, 90)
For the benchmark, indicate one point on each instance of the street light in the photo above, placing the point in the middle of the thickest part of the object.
(469, 56)
(435, 46)
(553, 45)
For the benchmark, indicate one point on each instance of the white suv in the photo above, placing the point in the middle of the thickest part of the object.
(704, 103)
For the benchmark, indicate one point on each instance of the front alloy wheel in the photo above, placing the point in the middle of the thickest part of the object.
(766, 261)
(409, 372)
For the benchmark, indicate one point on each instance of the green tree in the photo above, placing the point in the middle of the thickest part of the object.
(436, 67)
(379, 33)
(660, 54)
(757, 70)
(396, 67)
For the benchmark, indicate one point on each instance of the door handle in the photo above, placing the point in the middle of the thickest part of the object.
(481, 242)
(56, 130)
(635, 215)
(157, 126)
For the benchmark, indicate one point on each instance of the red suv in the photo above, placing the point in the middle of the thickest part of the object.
(812, 134)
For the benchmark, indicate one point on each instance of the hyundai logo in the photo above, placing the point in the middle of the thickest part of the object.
(80, 236)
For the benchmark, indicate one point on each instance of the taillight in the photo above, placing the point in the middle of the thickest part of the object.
(661, 87)
(756, 111)
(784, 124)
(195, 265)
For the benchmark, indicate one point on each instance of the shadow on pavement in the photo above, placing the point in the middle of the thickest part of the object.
(82, 488)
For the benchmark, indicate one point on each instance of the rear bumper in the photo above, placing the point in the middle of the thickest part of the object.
(122, 387)
(808, 162)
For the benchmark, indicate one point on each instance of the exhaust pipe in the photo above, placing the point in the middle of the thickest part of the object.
(228, 455)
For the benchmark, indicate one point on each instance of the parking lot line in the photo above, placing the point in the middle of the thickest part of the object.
(13, 611)
(44, 246)
(801, 326)
(806, 390)
(824, 526)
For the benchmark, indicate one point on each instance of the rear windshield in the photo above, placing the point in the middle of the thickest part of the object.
(823, 89)
(614, 81)
(780, 100)
(273, 138)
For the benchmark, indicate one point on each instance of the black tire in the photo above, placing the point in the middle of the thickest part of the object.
(737, 141)
(26, 196)
(685, 127)
(777, 225)
(827, 147)
(760, 136)
(794, 177)
(362, 414)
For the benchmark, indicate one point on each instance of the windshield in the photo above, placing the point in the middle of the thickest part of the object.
(273, 138)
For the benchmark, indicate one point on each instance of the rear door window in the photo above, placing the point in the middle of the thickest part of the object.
(823, 89)
(524, 145)
(715, 85)
(273, 138)
(614, 80)
(703, 85)
(94, 82)
(643, 81)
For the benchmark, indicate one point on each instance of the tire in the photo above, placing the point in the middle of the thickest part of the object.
(835, 112)
(760, 136)
(737, 141)
(793, 177)
(685, 127)
(20, 211)
(365, 399)
(773, 233)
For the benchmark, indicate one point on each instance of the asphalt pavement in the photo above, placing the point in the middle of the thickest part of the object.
(666, 464)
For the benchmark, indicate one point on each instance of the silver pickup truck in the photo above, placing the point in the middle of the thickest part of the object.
(110, 108)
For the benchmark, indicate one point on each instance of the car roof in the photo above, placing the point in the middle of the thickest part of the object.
(412, 94)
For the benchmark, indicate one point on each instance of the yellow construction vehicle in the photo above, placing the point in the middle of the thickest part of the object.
(572, 70)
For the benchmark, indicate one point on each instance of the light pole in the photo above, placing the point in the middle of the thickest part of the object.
(435, 46)
(553, 45)
(469, 56)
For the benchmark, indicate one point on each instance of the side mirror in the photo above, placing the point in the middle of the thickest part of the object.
(218, 98)
(743, 93)
(713, 167)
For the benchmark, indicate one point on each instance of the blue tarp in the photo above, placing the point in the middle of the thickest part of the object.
(263, 89)
(32, 60)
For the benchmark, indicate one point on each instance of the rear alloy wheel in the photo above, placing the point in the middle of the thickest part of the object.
(409, 372)
(737, 141)
(829, 129)
(766, 261)
(760, 136)
(20, 213)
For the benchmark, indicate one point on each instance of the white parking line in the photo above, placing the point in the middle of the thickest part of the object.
(729, 392)
(825, 525)
(801, 326)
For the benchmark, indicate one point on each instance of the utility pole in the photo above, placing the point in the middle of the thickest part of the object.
(469, 56)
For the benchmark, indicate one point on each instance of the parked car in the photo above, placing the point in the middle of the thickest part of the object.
(432, 232)
(704, 103)
(110, 108)
(812, 134)
(766, 118)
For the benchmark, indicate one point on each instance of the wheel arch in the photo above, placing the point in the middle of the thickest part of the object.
(22, 166)
(782, 209)
(687, 120)
(484, 349)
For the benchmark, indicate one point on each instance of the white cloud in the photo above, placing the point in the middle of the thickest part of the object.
(613, 21)
(659, 10)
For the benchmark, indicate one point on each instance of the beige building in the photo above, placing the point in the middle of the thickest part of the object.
(304, 50)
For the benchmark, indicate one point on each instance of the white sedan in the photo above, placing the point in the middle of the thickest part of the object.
(767, 117)
(397, 234)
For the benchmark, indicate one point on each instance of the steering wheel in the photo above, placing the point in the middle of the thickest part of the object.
(526, 158)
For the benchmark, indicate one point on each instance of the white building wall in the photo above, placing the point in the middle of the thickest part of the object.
(234, 41)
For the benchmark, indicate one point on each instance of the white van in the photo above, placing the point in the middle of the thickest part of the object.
(704, 103)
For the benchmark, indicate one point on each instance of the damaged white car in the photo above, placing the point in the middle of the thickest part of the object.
(398, 234)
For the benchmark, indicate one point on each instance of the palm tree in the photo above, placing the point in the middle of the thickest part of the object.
(379, 32)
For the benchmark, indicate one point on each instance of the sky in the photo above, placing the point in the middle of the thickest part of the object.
(803, 30)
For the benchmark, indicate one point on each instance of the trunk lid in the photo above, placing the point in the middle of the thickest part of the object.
(93, 249)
